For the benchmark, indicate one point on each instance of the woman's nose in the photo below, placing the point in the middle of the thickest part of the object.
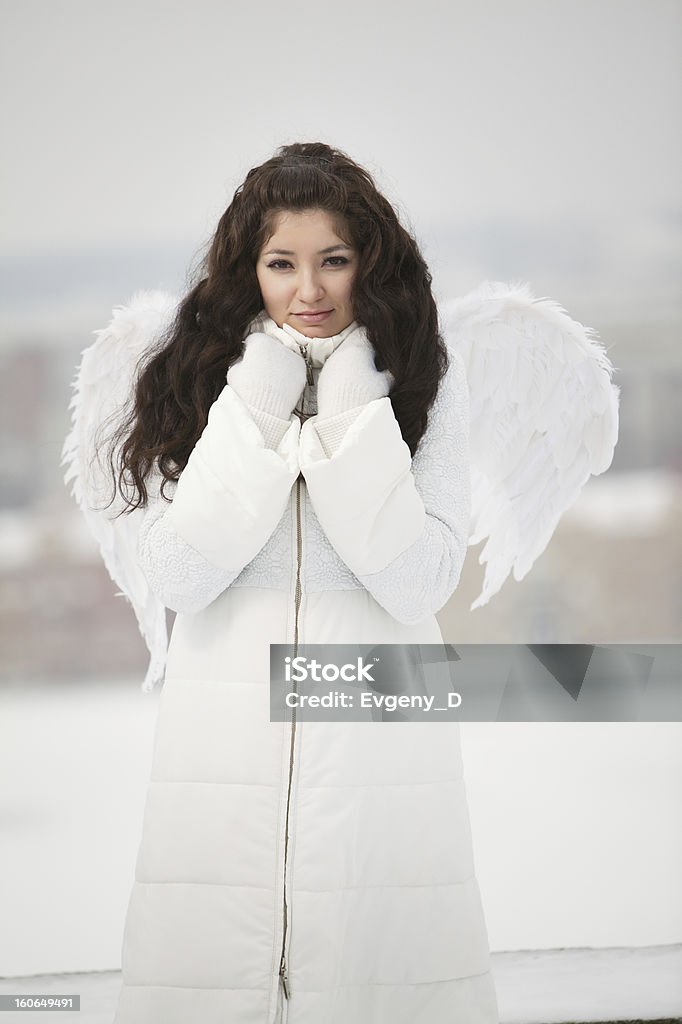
(309, 286)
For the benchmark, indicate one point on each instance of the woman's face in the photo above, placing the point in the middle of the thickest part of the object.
(306, 267)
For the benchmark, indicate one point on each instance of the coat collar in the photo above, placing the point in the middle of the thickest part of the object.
(319, 348)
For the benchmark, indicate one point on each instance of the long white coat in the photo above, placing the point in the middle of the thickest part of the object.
(305, 872)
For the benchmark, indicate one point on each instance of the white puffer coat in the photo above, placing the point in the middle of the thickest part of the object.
(305, 872)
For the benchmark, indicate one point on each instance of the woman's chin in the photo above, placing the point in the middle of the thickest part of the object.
(328, 329)
(313, 330)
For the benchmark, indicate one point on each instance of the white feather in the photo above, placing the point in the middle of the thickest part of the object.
(544, 417)
(103, 388)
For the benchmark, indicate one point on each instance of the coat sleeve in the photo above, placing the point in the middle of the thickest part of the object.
(225, 505)
(401, 525)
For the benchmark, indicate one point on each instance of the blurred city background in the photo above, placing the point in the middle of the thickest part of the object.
(519, 141)
(540, 156)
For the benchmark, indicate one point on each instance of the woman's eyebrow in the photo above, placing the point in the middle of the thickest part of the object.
(322, 252)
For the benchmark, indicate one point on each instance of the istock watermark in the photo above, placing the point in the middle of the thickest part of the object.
(476, 682)
(300, 669)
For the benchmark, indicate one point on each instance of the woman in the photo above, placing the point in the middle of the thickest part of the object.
(316, 492)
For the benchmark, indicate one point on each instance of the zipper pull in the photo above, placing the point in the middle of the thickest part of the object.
(308, 365)
(284, 978)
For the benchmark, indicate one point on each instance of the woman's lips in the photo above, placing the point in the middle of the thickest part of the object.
(314, 318)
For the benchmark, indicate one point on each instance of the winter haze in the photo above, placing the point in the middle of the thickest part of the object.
(520, 140)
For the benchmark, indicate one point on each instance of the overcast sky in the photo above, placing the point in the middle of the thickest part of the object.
(518, 138)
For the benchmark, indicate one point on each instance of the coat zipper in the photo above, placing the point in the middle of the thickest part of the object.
(305, 352)
(283, 966)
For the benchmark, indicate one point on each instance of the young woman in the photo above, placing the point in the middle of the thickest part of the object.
(299, 445)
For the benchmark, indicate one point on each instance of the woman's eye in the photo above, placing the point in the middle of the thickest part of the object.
(276, 264)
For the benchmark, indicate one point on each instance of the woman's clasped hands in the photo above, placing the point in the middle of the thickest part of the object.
(271, 377)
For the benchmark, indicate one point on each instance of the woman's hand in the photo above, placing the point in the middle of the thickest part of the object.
(268, 376)
(349, 377)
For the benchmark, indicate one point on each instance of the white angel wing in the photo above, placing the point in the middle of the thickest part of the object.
(544, 417)
(103, 388)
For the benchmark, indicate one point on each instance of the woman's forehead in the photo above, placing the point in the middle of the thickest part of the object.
(306, 225)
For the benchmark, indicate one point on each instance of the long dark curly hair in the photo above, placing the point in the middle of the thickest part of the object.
(180, 378)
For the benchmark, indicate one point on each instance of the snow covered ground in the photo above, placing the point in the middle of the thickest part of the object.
(541, 987)
(557, 985)
(577, 829)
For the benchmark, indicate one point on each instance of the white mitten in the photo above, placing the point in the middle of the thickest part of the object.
(349, 377)
(348, 381)
(268, 376)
